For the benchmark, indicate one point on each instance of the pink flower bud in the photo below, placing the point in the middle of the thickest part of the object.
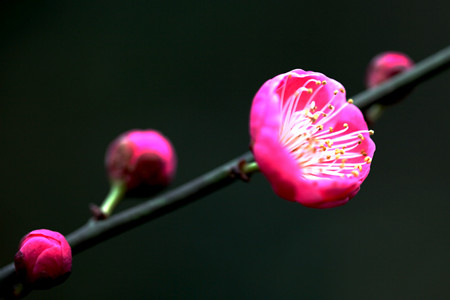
(144, 160)
(44, 259)
(309, 141)
(385, 66)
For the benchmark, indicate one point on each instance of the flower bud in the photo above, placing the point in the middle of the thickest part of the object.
(386, 65)
(44, 259)
(143, 160)
(381, 68)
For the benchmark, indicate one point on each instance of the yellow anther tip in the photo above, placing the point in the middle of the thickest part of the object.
(355, 173)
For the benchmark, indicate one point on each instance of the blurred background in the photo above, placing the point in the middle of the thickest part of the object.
(75, 74)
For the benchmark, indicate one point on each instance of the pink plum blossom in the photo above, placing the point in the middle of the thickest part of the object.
(44, 259)
(142, 159)
(311, 144)
(385, 66)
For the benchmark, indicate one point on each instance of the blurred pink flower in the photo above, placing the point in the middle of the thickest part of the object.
(311, 144)
(44, 259)
(142, 159)
(385, 66)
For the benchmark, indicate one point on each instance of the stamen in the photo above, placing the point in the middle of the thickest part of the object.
(319, 152)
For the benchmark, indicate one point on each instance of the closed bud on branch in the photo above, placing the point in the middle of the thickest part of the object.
(44, 259)
(143, 160)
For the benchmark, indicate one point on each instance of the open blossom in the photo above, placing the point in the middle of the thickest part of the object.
(309, 141)
(44, 259)
(142, 159)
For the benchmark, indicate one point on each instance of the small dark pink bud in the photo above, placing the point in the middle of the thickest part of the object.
(44, 259)
(144, 160)
(385, 66)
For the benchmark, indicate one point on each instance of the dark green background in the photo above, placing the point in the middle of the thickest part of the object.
(75, 74)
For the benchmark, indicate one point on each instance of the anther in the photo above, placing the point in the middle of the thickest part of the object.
(324, 82)
(371, 132)
(364, 153)
(350, 101)
(355, 173)
(320, 127)
(331, 129)
(310, 91)
(314, 118)
(341, 90)
(359, 167)
(367, 159)
(336, 92)
(324, 115)
(330, 106)
(360, 136)
(345, 125)
(339, 151)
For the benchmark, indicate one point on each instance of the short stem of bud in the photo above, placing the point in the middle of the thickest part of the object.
(250, 168)
(116, 193)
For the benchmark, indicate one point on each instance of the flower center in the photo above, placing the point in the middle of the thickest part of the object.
(320, 152)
